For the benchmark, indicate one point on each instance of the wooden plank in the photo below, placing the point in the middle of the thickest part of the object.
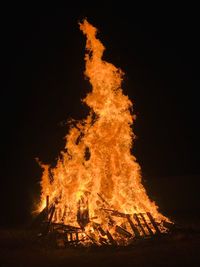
(110, 238)
(77, 239)
(39, 219)
(83, 213)
(51, 213)
(103, 241)
(67, 239)
(133, 227)
(116, 213)
(71, 237)
(103, 200)
(168, 225)
(120, 230)
(103, 233)
(98, 227)
(47, 207)
(67, 227)
(153, 223)
(146, 224)
(55, 215)
(48, 223)
(64, 214)
(92, 239)
(139, 223)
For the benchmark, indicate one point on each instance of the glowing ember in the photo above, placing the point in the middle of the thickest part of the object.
(97, 181)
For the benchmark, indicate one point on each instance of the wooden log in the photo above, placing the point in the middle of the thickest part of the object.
(92, 239)
(59, 214)
(153, 223)
(110, 238)
(103, 200)
(139, 223)
(116, 213)
(133, 227)
(77, 239)
(98, 227)
(47, 207)
(48, 223)
(51, 213)
(103, 233)
(67, 239)
(146, 224)
(71, 236)
(120, 230)
(39, 219)
(111, 221)
(67, 227)
(83, 212)
(64, 214)
(103, 241)
(55, 215)
(168, 225)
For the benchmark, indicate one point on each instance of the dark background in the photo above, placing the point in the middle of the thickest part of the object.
(42, 84)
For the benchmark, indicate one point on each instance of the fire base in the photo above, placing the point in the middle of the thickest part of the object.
(132, 227)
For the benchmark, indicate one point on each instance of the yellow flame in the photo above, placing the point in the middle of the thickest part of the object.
(98, 164)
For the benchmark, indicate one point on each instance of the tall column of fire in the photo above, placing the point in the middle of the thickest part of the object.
(97, 162)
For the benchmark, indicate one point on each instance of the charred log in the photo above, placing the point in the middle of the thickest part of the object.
(111, 239)
(139, 223)
(153, 223)
(83, 212)
(120, 230)
(146, 224)
(133, 227)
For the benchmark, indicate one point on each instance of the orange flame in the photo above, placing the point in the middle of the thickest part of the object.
(97, 169)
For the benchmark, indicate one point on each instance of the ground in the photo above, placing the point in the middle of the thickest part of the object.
(18, 247)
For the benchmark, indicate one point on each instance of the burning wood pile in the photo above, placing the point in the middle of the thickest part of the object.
(95, 192)
(89, 232)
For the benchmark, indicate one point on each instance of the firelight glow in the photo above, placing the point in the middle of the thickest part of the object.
(96, 170)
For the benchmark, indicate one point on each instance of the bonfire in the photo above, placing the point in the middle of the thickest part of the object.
(95, 195)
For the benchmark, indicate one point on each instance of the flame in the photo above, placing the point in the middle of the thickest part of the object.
(97, 171)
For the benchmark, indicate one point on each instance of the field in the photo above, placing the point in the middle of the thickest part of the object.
(20, 247)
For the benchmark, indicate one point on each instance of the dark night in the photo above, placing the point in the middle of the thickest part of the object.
(100, 136)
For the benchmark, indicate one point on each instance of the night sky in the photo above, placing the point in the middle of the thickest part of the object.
(42, 85)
